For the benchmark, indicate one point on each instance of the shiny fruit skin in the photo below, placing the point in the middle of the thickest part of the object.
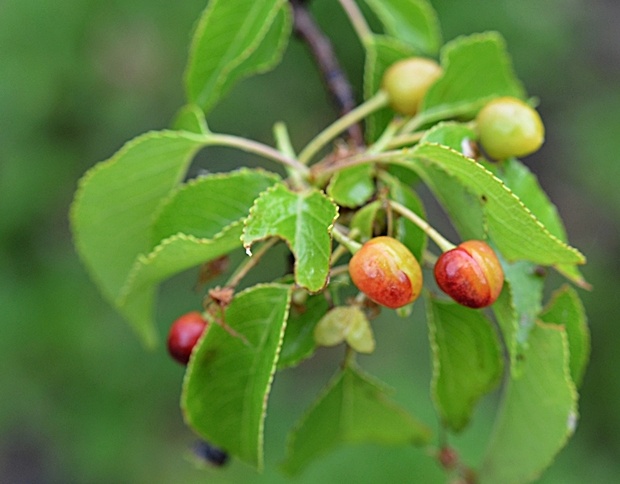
(387, 272)
(184, 334)
(407, 81)
(509, 127)
(471, 274)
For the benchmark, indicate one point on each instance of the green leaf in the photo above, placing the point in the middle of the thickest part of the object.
(206, 205)
(516, 232)
(454, 135)
(461, 204)
(566, 309)
(353, 186)
(411, 21)
(467, 360)
(228, 379)
(523, 183)
(404, 230)
(381, 53)
(538, 413)
(364, 220)
(200, 221)
(304, 220)
(477, 68)
(352, 409)
(234, 39)
(299, 341)
(517, 308)
(116, 201)
(190, 118)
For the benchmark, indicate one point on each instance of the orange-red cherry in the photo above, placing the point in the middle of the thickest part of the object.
(471, 274)
(387, 272)
(184, 334)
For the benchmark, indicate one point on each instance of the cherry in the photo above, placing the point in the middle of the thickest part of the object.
(407, 81)
(387, 272)
(509, 127)
(470, 274)
(184, 334)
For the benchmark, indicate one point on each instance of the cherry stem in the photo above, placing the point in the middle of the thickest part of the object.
(351, 245)
(248, 263)
(378, 101)
(443, 243)
(357, 20)
(257, 148)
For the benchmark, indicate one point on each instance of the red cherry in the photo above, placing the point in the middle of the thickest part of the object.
(387, 272)
(471, 274)
(183, 335)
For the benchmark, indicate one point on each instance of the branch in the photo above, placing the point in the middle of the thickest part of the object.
(333, 76)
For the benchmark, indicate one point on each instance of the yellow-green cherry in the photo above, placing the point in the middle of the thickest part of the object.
(387, 272)
(471, 274)
(509, 127)
(407, 81)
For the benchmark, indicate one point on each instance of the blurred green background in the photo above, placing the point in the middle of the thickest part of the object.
(82, 401)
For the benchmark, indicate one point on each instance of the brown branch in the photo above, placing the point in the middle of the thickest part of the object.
(332, 73)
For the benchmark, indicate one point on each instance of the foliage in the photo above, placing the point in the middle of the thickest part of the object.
(137, 221)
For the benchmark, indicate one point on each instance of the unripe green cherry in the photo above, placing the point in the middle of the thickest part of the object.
(387, 272)
(509, 127)
(407, 81)
(470, 274)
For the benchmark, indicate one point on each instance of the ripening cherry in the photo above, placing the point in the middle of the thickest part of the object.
(387, 272)
(184, 334)
(509, 127)
(407, 81)
(470, 274)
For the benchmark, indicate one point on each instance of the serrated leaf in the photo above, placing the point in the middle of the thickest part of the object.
(206, 205)
(454, 135)
(467, 360)
(538, 412)
(381, 53)
(353, 409)
(304, 220)
(404, 230)
(516, 232)
(353, 186)
(114, 206)
(234, 39)
(523, 183)
(461, 204)
(299, 341)
(411, 21)
(228, 378)
(190, 118)
(565, 308)
(477, 68)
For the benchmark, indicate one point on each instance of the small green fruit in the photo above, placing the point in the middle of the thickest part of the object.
(387, 272)
(509, 127)
(407, 81)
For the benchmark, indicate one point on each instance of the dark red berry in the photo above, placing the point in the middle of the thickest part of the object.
(183, 335)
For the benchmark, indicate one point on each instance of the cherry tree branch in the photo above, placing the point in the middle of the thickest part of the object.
(333, 75)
